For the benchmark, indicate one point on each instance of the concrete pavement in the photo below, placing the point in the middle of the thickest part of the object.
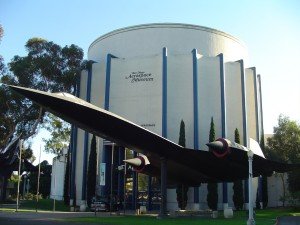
(44, 218)
(288, 220)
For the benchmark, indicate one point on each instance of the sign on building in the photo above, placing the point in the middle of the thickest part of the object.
(102, 174)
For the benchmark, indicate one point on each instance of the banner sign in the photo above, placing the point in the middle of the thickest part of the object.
(102, 174)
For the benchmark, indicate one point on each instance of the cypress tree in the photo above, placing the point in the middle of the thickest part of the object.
(237, 138)
(212, 188)
(182, 134)
(75, 199)
(265, 191)
(181, 190)
(238, 198)
(91, 176)
(257, 202)
(67, 181)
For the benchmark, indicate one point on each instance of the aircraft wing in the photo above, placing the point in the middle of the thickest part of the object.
(184, 165)
(100, 122)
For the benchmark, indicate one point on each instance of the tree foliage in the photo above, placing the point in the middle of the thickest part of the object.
(142, 182)
(237, 197)
(47, 67)
(28, 154)
(1, 32)
(182, 134)
(45, 179)
(17, 115)
(92, 170)
(2, 65)
(182, 189)
(285, 146)
(60, 132)
(237, 138)
(212, 188)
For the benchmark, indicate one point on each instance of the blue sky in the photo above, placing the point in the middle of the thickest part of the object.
(270, 30)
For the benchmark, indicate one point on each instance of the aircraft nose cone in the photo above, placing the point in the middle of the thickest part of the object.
(216, 145)
(133, 162)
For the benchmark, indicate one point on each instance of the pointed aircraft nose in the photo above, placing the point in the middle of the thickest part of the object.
(219, 148)
(216, 145)
(134, 162)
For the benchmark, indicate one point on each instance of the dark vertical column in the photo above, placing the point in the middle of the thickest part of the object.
(195, 98)
(120, 174)
(261, 108)
(107, 82)
(224, 124)
(260, 192)
(74, 132)
(106, 156)
(163, 175)
(111, 191)
(163, 187)
(149, 193)
(244, 105)
(106, 152)
(84, 167)
(86, 135)
(164, 91)
(257, 123)
(69, 160)
(4, 188)
(195, 101)
(134, 186)
(72, 163)
(256, 105)
(245, 122)
(262, 136)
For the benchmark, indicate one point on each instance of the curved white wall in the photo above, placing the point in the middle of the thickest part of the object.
(149, 39)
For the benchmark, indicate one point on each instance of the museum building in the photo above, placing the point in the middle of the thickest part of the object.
(156, 75)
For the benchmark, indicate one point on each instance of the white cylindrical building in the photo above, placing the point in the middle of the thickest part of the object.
(156, 75)
(58, 177)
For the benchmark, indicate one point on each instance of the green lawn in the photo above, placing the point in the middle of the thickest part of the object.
(43, 205)
(263, 217)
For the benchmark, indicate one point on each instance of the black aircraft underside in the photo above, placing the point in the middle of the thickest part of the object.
(184, 165)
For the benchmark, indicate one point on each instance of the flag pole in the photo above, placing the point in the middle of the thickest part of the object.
(38, 181)
(19, 173)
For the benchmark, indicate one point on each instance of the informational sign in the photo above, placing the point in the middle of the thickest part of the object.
(102, 173)
(136, 90)
(139, 76)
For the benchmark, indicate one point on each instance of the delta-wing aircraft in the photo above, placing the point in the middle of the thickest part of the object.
(226, 161)
(9, 159)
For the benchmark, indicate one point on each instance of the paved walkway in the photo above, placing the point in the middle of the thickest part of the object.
(288, 220)
(56, 218)
(44, 218)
